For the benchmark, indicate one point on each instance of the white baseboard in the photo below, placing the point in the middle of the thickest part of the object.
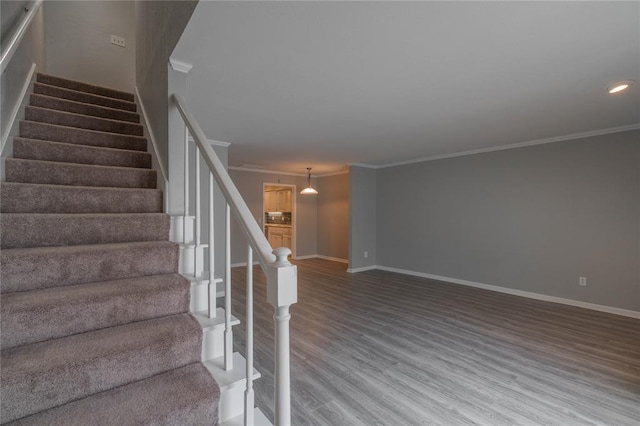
(528, 294)
(321, 256)
(333, 259)
(12, 123)
(362, 269)
(306, 256)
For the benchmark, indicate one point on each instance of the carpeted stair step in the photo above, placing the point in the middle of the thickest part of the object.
(35, 316)
(87, 98)
(55, 173)
(59, 104)
(70, 119)
(84, 87)
(34, 149)
(39, 198)
(54, 133)
(25, 269)
(184, 396)
(44, 375)
(23, 230)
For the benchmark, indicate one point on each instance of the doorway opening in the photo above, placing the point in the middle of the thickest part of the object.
(279, 222)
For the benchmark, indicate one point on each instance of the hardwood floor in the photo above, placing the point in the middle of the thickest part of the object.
(378, 348)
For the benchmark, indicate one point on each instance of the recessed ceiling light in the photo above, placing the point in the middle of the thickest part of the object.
(619, 87)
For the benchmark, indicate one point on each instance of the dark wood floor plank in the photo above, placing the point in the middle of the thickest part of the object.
(379, 348)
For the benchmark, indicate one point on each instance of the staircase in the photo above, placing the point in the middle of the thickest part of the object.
(94, 315)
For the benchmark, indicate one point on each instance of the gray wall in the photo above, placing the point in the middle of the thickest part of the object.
(11, 12)
(30, 51)
(362, 217)
(333, 216)
(250, 185)
(159, 25)
(78, 42)
(532, 219)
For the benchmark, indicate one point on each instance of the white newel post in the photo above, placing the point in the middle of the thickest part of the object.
(282, 292)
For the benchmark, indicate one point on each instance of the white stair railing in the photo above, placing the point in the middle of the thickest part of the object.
(281, 274)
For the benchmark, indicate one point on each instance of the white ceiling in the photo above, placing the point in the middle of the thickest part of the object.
(323, 84)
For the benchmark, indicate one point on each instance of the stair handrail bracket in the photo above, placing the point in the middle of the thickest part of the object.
(282, 276)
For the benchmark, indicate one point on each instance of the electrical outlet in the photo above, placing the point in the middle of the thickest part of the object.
(582, 281)
(366, 254)
(118, 41)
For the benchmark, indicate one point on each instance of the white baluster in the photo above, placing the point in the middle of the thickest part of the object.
(186, 186)
(228, 334)
(212, 283)
(281, 293)
(248, 394)
(196, 225)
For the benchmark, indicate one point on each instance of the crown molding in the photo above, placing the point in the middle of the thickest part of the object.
(518, 145)
(341, 172)
(180, 66)
(270, 172)
(276, 172)
(563, 138)
(365, 165)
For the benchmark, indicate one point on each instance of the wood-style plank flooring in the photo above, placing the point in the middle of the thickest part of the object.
(378, 348)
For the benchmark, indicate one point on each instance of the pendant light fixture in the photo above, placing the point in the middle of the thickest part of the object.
(309, 189)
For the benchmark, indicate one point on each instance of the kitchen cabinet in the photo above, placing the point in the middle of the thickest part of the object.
(284, 200)
(279, 236)
(269, 206)
(286, 240)
(277, 201)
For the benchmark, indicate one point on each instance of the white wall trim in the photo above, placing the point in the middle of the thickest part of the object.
(320, 256)
(180, 66)
(519, 145)
(528, 294)
(275, 172)
(306, 256)
(155, 153)
(362, 269)
(333, 259)
(341, 172)
(18, 106)
(365, 165)
(213, 142)
(554, 139)
(152, 137)
(271, 172)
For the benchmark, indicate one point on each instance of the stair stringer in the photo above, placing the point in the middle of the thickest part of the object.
(233, 382)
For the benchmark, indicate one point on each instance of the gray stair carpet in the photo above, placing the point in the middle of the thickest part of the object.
(93, 313)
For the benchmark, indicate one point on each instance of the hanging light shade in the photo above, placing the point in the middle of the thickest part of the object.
(309, 189)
